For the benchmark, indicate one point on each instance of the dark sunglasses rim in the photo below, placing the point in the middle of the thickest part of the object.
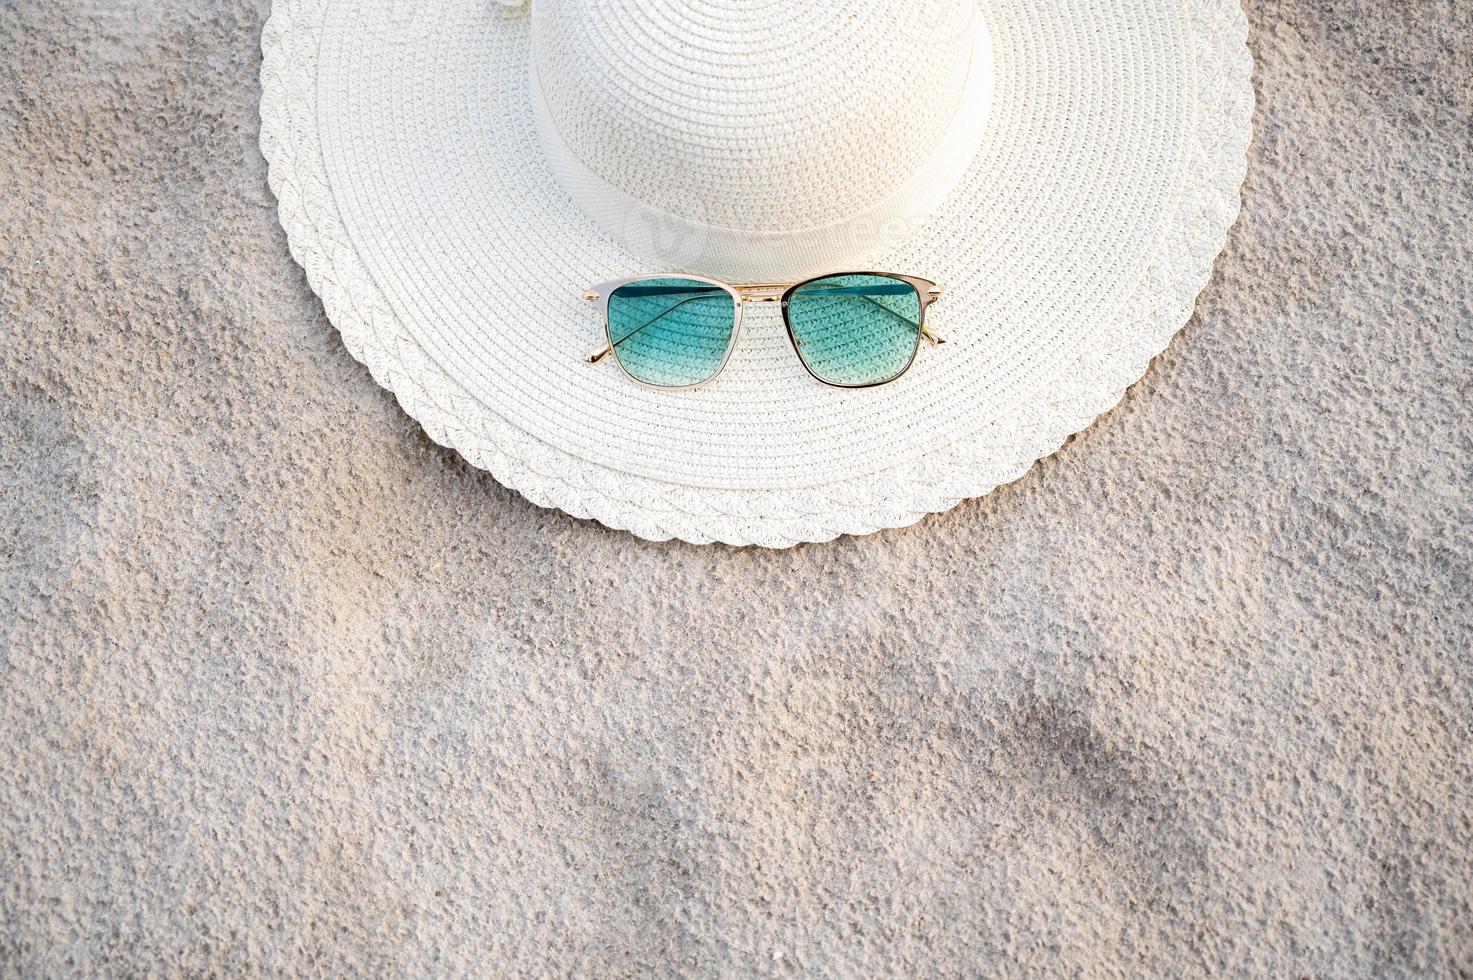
(924, 297)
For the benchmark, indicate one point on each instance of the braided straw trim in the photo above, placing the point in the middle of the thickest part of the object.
(999, 453)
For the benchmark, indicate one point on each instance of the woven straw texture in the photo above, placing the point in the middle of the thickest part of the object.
(413, 191)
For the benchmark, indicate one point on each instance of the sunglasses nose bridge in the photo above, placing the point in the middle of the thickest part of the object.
(762, 292)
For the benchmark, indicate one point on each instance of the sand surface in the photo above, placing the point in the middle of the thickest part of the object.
(289, 689)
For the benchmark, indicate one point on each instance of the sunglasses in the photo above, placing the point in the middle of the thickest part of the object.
(850, 329)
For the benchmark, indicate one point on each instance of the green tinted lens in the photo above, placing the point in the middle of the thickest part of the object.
(671, 332)
(855, 329)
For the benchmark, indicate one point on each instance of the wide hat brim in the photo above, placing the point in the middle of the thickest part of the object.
(414, 192)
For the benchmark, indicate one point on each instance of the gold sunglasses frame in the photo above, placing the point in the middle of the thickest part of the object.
(927, 292)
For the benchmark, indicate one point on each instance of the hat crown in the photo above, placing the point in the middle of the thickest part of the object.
(763, 116)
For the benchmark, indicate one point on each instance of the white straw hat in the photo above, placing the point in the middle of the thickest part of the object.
(453, 174)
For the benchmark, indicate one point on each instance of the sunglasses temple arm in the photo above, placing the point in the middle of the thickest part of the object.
(934, 339)
(608, 349)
